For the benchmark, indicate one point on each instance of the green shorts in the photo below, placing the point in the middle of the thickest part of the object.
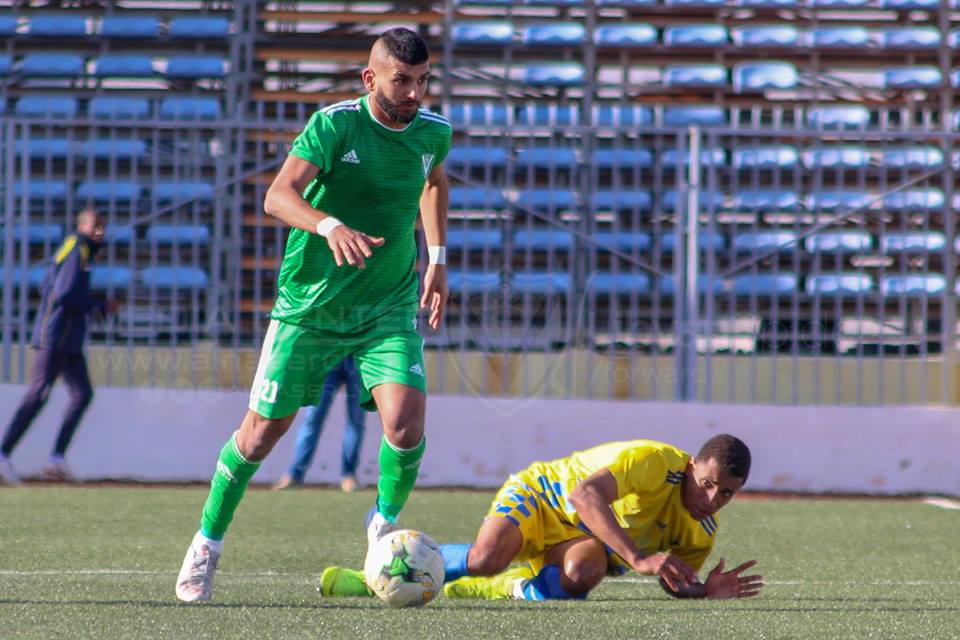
(295, 360)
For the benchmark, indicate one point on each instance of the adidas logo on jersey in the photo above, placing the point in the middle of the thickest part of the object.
(351, 157)
(417, 369)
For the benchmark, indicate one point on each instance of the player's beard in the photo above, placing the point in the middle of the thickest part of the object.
(390, 108)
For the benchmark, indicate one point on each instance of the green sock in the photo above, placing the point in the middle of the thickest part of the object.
(226, 489)
(398, 474)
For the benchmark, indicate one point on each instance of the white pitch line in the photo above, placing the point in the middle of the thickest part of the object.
(894, 583)
(943, 503)
(134, 572)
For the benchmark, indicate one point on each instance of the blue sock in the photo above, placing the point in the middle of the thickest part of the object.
(546, 586)
(454, 560)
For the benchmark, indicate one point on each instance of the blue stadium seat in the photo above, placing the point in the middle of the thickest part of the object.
(51, 65)
(174, 277)
(473, 281)
(124, 66)
(781, 241)
(103, 277)
(43, 147)
(621, 200)
(34, 276)
(36, 233)
(768, 4)
(764, 285)
(485, 2)
(120, 234)
(476, 157)
(708, 157)
(837, 200)
(545, 283)
(3, 105)
(839, 242)
(914, 77)
(913, 242)
(474, 239)
(615, 115)
(695, 35)
(626, 3)
(190, 67)
(190, 108)
(925, 200)
(567, 3)
(955, 78)
(841, 116)
(40, 190)
(838, 4)
(910, 38)
(478, 114)
(913, 285)
(119, 108)
(765, 200)
(130, 27)
(180, 191)
(6, 65)
(547, 199)
(554, 34)
(685, 116)
(549, 115)
(625, 241)
(47, 107)
(695, 75)
(953, 39)
(705, 242)
(706, 285)
(484, 32)
(546, 158)
(929, 5)
(849, 283)
(623, 159)
(838, 37)
(121, 148)
(841, 157)
(555, 240)
(708, 200)
(8, 25)
(917, 157)
(58, 26)
(761, 76)
(767, 35)
(109, 191)
(476, 198)
(556, 74)
(178, 234)
(623, 283)
(695, 4)
(199, 27)
(768, 157)
(625, 35)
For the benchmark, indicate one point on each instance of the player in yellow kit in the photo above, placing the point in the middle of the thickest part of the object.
(566, 524)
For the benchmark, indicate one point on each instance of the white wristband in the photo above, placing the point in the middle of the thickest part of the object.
(436, 255)
(328, 224)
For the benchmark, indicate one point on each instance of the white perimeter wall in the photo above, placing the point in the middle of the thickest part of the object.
(169, 435)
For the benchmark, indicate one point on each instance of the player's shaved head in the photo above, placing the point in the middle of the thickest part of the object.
(730, 453)
(402, 45)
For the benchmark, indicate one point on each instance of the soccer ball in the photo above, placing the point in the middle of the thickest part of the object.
(404, 568)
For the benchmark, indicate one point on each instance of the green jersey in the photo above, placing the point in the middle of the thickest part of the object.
(371, 178)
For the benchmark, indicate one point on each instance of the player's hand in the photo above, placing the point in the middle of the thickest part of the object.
(671, 569)
(435, 294)
(731, 584)
(351, 246)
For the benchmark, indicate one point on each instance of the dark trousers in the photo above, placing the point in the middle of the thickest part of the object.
(47, 367)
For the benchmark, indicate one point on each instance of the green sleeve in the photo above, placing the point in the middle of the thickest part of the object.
(444, 147)
(318, 142)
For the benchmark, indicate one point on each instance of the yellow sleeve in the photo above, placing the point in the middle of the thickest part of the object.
(638, 470)
(694, 556)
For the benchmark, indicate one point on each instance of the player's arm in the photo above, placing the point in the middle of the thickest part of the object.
(721, 585)
(592, 498)
(434, 202)
(284, 200)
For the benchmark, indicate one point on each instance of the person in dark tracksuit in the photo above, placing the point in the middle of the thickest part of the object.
(58, 335)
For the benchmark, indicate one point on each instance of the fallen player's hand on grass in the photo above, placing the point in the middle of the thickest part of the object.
(731, 584)
(676, 573)
(352, 246)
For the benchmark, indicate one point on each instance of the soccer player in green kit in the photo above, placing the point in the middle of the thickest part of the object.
(351, 188)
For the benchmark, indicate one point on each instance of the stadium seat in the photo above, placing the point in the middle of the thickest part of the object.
(695, 75)
(839, 242)
(43, 147)
(765, 200)
(491, 32)
(910, 38)
(708, 200)
(547, 199)
(8, 25)
(124, 66)
(36, 233)
(178, 234)
(474, 239)
(46, 106)
(3, 105)
(120, 234)
(615, 115)
(706, 285)
(555, 240)
(119, 108)
(473, 281)
(125, 148)
(476, 157)
(34, 276)
(768, 4)
(926, 200)
(556, 74)
(955, 78)
(478, 114)
(695, 35)
(178, 277)
(708, 157)
(57, 26)
(626, 3)
(622, 159)
(842, 116)
(51, 65)
(623, 283)
(558, 3)
(546, 158)
(189, 108)
(625, 241)
(103, 277)
(929, 5)
(625, 35)
(781, 241)
(476, 198)
(761, 76)
(765, 285)
(912, 242)
(485, 2)
(705, 242)
(191, 67)
(768, 35)
(686, 116)
(917, 157)
(545, 283)
(914, 77)
(621, 200)
(40, 190)
(913, 285)
(841, 157)
(695, 4)
(109, 191)
(953, 39)
(181, 191)
(838, 200)
(6, 65)
(548, 115)
(199, 27)
(770, 157)
(553, 34)
(130, 27)
(838, 4)
(839, 284)
(838, 37)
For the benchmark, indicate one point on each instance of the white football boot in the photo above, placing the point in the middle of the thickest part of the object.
(195, 582)
(377, 526)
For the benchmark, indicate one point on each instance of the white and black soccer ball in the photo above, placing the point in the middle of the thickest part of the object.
(404, 568)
